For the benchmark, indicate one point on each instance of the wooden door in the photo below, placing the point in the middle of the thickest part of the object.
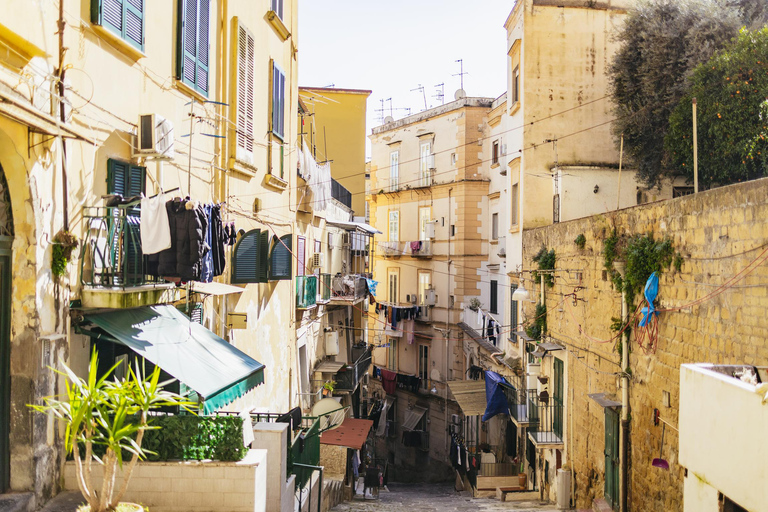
(5, 363)
(612, 458)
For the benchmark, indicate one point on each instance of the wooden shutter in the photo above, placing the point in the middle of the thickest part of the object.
(117, 177)
(263, 257)
(494, 296)
(245, 258)
(123, 17)
(245, 82)
(281, 258)
(137, 176)
(192, 51)
(278, 101)
(300, 254)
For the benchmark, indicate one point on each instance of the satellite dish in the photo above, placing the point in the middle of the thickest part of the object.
(461, 93)
(389, 119)
(330, 412)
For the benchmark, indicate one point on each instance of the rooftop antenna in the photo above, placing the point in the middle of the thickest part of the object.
(461, 73)
(440, 93)
(390, 106)
(421, 88)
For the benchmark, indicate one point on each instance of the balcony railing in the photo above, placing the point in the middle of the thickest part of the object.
(306, 292)
(419, 248)
(348, 377)
(391, 249)
(548, 415)
(341, 194)
(518, 399)
(112, 256)
(348, 288)
(424, 314)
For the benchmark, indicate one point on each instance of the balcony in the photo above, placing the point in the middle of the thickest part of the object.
(419, 248)
(547, 414)
(348, 290)
(518, 399)
(424, 314)
(472, 324)
(113, 270)
(391, 249)
(306, 292)
(341, 194)
(348, 377)
(324, 293)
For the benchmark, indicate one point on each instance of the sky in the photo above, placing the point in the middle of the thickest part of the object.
(393, 46)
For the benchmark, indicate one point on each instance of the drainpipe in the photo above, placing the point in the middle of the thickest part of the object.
(623, 433)
(319, 485)
(448, 321)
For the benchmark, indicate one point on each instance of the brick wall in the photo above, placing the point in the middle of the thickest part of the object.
(718, 233)
(193, 486)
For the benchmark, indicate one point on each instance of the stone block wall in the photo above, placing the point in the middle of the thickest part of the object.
(197, 486)
(720, 234)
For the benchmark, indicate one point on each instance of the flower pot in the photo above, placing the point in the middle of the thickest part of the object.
(121, 507)
(523, 480)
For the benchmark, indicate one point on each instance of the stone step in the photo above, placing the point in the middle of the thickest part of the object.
(600, 505)
(17, 502)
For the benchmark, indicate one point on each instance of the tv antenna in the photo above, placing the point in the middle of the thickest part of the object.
(421, 88)
(440, 93)
(461, 73)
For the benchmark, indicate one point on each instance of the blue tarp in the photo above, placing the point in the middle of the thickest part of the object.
(651, 290)
(497, 401)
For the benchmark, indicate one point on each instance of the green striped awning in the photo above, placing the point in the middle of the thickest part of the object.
(217, 371)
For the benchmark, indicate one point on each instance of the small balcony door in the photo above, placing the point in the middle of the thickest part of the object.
(612, 457)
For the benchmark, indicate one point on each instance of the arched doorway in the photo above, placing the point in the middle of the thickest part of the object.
(6, 239)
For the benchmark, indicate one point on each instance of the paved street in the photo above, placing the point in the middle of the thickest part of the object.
(434, 497)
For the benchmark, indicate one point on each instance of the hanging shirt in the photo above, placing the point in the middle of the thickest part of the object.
(155, 228)
(206, 276)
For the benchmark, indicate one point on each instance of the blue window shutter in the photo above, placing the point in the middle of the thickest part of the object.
(117, 177)
(125, 18)
(203, 30)
(263, 258)
(192, 53)
(245, 258)
(108, 14)
(134, 22)
(281, 258)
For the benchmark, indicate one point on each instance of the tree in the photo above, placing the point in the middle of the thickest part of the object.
(661, 43)
(731, 91)
(108, 415)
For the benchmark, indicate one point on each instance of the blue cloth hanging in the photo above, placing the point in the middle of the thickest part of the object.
(496, 400)
(371, 286)
(651, 291)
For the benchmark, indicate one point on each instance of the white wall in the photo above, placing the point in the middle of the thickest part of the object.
(723, 425)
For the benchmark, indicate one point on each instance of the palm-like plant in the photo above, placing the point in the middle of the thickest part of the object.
(113, 414)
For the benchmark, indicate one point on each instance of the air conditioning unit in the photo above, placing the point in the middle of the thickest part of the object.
(154, 138)
(430, 230)
(431, 162)
(411, 298)
(332, 343)
(455, 419)
(430, 298)
(317, 260)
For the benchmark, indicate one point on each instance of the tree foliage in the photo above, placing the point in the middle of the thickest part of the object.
(661, 43)
(731, 91)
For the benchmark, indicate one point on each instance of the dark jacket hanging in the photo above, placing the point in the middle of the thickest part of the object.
(218, 240)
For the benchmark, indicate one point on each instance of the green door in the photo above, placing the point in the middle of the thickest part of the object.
(557, 421)
(5, 364)
(612, 457)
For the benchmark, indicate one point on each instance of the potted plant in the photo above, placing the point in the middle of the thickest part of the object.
(63, 244)
(111, 416)
(475, 304)
(328, 387)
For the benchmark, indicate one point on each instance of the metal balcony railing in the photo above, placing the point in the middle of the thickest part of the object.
(348, 377)
(419, 248)
(306, 292)
(391, 249)
(548, 416)
(348, 287)
(424, 314)
(341, 194)
(112, 256)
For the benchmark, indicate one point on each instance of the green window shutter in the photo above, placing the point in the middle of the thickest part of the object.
(125, 18)
(278, 101)
(117, 177)
(263, 259)
(137, 178)
(245, 258)
(192, 52)
(280, 259)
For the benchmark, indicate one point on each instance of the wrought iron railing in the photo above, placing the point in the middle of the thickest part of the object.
(348, 287)
(547, 413)
(348, 377)
(112, 255)
(306, 291)
(419, 248)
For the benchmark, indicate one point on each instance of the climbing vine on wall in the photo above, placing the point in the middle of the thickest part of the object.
(546, 261)
(539, 326)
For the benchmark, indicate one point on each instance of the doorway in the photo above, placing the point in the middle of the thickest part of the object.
(6, 239)
(612, 458)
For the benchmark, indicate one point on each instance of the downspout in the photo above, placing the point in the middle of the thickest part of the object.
(448, 321)
(624, 432)
(319, 486)
(63, 117)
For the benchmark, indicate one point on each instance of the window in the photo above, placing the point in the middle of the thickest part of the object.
(512, 310)
(394, 226)
(301, 244)
(515, 198)
(453, 229)
(495, 226)
(425, 163)
(278, 101)
(393, 354)
(516, 84)
(192, 50)
(277, 6)
(453, 158)
(125, 179)
(123, 18)
(245, 83)
(250, 258)
(393, 276)
(394, 170)
(425, 215)
(425, 283)
(494, 296)
(424, 366)
(495, 153)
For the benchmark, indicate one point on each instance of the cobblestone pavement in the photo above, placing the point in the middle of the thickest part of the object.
(434, 497)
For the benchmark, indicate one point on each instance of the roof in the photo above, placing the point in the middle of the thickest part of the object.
(217, 371)
(336, 89)
(434, 112)
(471, 396)
(215, 288)
(329, 366)
(359, 226)
(352, 433)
